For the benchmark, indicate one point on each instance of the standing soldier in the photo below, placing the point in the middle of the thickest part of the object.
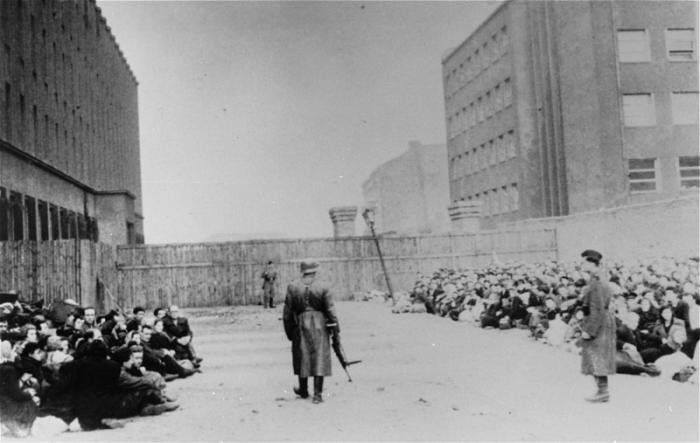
(598, 328)
(269, 276)
(308, 308)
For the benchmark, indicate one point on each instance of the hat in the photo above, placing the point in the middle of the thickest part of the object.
(592, 256)
(308, 267)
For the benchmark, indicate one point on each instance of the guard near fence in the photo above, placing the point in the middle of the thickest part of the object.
(308, 310)
(269, 276)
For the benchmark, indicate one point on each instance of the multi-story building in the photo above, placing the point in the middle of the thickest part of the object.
(69, 138)
(409, 193)
(554, 108)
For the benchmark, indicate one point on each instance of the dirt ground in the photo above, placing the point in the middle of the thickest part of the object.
(423, 378)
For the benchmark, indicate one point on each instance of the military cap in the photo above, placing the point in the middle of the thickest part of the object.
(308, 267)
(592, 256)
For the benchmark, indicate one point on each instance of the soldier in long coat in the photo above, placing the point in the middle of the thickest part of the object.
(598, 328)
(308, 309)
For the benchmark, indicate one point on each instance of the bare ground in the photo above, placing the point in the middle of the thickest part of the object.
(423, 378)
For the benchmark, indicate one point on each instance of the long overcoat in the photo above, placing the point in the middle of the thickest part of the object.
(307, 310)
(598, 352)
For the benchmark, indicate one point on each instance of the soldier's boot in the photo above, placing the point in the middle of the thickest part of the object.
(602, 395)
(303, 389)
(318, 390)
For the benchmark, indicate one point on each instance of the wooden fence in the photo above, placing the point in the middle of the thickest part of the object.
(229, 273)
(214, 274)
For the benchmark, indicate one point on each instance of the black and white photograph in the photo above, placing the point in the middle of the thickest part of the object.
(349, 221)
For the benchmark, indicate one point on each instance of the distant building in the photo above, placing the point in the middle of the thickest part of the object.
(410, 193)
(69, 135)
(554, 108)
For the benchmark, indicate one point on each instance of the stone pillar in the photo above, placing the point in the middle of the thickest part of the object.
(465, 216)
(343, 218)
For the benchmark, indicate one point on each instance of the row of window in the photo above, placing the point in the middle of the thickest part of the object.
(643, 174)
(633, 45)
(498, 201)
(479, 60)
(495, 100)
(23, 217)
(494, 151)
(638, 109)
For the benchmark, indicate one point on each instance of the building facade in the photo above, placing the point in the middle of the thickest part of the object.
(555, 108)
(410, 193)
(69, 136)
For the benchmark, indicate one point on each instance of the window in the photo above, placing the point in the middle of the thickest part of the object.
(479, 110)
(638, 110)
(505, 201)
(494, 202)
(498, 99)
(483, 159)
(487, 203)
(689, 168)
(492, 153)
(489, 105)
(504, 42)
(510, 144)
(642, 175)
(680, 44)
(501, 149)
(507, 93)
(472, 115)
(633, 45)
(514, 197)
(684, 108)
(474, 161)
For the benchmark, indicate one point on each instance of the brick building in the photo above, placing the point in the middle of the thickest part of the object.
(69, 138)
(554, 108)
(409, 193)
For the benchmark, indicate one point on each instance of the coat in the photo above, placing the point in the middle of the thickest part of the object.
(307, 310)
(598, 352)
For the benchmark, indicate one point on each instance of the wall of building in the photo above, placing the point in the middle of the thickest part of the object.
(567, 85)
(410, 192)
(662, 228)
(68, 101)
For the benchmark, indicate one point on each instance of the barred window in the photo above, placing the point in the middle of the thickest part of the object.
(689, 168)
(642, 175)
(633, 45)
(680, 44)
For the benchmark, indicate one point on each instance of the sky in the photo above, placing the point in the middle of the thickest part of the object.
(256, 118)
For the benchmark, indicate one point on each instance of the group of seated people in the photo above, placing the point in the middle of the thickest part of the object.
(656, 304)
(66, 361)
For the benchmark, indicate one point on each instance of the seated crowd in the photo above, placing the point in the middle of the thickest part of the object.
(655, 304)
(67, 362)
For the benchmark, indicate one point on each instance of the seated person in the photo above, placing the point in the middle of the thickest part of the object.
(161, 361)
(18, 407)
(627, 358)
(178, 328)
(136, 321)
(671, 333)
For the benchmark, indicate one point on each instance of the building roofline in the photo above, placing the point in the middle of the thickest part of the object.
(17, 152)
(101, 19)
(476, 31)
